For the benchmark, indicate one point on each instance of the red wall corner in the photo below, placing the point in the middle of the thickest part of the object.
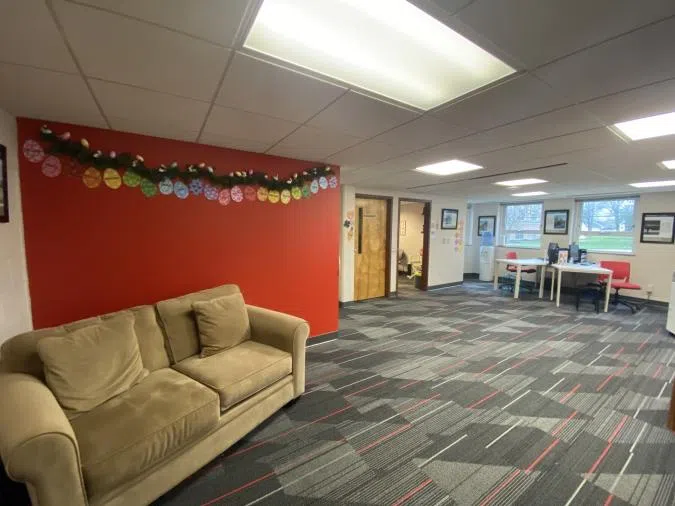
(92, 251)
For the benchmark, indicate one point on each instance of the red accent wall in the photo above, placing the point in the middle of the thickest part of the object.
(91, 251)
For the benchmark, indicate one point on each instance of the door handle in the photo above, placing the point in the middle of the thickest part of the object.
(359, 240)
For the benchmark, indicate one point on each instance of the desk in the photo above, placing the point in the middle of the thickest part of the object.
(539, 263)
(584, 269)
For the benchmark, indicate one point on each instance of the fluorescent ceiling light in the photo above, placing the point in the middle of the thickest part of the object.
(653, 184)
(521, 182)
(448, 168)
(528, 194)
(388, 47)
(645, 128)
(669, 164)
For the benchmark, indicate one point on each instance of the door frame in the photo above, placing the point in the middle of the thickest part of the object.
(387, 240)
(425, 239)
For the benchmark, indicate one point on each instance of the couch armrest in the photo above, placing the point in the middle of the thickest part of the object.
(37, 443)
(283, 331)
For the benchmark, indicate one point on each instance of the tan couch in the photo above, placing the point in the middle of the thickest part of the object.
(136, 446)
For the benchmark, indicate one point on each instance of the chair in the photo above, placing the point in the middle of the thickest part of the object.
(512, 255)
(620, 281)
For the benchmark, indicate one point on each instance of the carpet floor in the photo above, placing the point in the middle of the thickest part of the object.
(465, 396)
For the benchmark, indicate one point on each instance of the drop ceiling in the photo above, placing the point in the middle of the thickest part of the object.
(179, 70)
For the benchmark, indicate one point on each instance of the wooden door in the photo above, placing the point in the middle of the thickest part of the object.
(370, 249)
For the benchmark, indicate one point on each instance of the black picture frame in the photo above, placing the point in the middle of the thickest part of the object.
(486, 220)
(4, 192)
(556, 231)
(650, 231)
(452, 215)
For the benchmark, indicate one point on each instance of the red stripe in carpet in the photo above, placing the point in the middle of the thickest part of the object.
(541, 457)
(414, 491)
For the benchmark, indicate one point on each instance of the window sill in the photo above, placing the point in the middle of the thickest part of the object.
(605, 252)
(520, 247)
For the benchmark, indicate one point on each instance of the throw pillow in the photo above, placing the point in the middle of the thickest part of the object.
(222, 323)
(88, 366)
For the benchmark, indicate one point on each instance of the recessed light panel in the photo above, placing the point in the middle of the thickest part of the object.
(521, 182)
(529, 194)
(448, 168)
(668, 164)
(388, 47)
(645, 128)
(653, 184)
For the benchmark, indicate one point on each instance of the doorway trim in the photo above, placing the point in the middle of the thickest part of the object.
(387, 240)
(425, 239)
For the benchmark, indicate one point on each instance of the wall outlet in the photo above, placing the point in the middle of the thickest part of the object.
(650, 288)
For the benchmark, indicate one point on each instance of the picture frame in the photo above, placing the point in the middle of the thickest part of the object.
(487, 224)
(4, 192)
(556, 221)
(658, 228)
(449, 219)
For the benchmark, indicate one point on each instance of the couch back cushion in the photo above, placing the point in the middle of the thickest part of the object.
(88, 366)
(179, 322)
(19, 354)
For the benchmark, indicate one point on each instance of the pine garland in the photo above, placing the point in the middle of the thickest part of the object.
(63, 145)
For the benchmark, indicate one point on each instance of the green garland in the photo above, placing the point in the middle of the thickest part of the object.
(80, 151)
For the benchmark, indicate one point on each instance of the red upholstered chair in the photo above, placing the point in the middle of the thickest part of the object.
(620, 281)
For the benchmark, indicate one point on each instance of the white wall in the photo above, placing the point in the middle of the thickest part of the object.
(650, 264)
(471, 253)
(413, 240)
(446, 264)
(14, 301)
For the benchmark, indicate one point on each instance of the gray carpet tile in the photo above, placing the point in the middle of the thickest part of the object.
(465, 396)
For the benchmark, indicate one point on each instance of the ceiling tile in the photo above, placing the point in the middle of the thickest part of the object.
(23, 92)
(367, 153)
(637, 59)
(149, 107)
(513, 100)
(633, 104)
(237, 124)
(537, 32)
(29, 36)
(153, 128)
(422, 133)
(313, 143)
(362, 116)
(257, 86)
(120, 49)
(213, 20)
(225, 141)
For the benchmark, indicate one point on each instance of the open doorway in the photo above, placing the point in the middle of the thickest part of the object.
(372, 260)
(413, 244)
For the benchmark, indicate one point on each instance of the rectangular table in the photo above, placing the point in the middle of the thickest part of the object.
(584, 269)
(539, 263)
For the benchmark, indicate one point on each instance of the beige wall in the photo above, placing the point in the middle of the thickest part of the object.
(14, 302)
(413, 240)
(445, 264)
(651, 264)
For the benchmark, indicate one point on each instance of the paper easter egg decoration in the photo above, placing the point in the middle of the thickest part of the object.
(131, 179)
(262, 194)
(210, 192)
(166, 186)
(237, 194)
(333, 181)
(306, 191)
(181, 190)
(112, 178)
(323, 182)
(91, 177)
(296, 193)
(148, 188)
(285, 196)
(196, 187)
(33, 151)
(51, 167)
(273, 196)
(314, 186)
(250, 193)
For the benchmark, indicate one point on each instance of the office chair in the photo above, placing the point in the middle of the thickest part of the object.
(620, 281)
(512, 255)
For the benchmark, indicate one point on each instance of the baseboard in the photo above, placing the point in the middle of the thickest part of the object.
(347, 304)
(328, 336)
(470, 275)
(444, 285)
(393, 294)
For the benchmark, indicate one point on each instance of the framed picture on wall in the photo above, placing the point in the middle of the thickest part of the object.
(556, 222)
(658, 228)
(4, 205)
(487, 224)
(449, 219)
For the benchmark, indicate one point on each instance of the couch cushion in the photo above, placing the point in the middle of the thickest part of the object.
(19, 354)
(130, 433)
(239, 372)
(88, 366)
(222, 323)
(178, 319)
